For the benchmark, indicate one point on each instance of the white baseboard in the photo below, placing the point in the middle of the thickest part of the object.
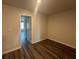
(36, 41)
(7, 51)
(55, 41)
(61, 42)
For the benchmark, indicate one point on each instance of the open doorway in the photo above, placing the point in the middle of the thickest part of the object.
(25, 29)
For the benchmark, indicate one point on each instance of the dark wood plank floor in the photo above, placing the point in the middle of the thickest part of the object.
(46, 49)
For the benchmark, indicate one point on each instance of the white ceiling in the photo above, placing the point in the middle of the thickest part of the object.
(46, 6)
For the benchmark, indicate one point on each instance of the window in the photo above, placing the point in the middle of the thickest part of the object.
(22, 25)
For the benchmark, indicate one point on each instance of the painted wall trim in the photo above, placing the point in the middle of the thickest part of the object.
(7, 51)
(36, 41)
(39, 40)
(61, 42)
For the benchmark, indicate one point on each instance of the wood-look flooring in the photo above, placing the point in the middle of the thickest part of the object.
(45, 49)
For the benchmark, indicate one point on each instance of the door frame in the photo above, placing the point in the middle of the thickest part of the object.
(30, 27)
